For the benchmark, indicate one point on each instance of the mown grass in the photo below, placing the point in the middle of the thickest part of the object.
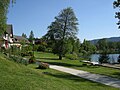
(53, 59)
(14, 76)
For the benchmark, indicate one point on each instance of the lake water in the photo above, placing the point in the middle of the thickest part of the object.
(113, 58)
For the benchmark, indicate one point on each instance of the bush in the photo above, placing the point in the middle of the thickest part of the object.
(41, 48)
(26, 51)
(26, 54)
(71, 56)
(32, 59)
(19, 60)
(43, 65)
(35, 47)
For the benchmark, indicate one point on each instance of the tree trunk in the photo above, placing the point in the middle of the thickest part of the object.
(62, 42)
(60, 57)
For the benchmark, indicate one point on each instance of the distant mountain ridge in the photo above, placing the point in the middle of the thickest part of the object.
(111, 39)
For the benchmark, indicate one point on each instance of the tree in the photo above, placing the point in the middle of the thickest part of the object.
(31, 36)
(112, 47)
(116, 4)
(24, 35)
(64, 26)
(118, 46)
(87, 47)
(71, 41)
(102, 45)
(75, 45)
(4, 5)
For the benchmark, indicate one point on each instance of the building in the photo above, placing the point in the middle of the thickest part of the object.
(19, 40)
(8, 39)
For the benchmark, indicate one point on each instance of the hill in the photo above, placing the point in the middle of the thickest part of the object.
(111, 39)
(14, 76)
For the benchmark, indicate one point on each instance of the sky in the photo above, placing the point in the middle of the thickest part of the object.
(96, 18)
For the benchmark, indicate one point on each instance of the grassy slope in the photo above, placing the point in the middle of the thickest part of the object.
(52, 59)
(15, 76)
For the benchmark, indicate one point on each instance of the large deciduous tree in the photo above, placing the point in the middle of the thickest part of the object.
(64, 26)
(4, 4)
(116, 4)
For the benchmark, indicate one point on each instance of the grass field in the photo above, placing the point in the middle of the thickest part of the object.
(53, 59)
(14, 76)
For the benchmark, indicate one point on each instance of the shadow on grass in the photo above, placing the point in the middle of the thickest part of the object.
(64, 64)
(117, 74)
(55, 61)
(70, 65)
(40, 68)
(71, 77)
(49, 58)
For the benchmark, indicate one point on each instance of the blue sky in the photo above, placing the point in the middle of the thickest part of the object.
(96, 17)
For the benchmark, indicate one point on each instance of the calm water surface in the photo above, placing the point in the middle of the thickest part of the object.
(113, 58)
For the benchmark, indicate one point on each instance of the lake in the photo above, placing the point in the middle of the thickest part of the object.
(113, 58)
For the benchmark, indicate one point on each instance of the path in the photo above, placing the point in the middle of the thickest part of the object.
(93, 77)
(115, 66)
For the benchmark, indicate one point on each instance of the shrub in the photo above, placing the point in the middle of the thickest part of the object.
(26, 51)
(26, 54)
(19, 60)
(71, 56)
(41, 48)
(32, 59)
(35, 47)
(43, 65)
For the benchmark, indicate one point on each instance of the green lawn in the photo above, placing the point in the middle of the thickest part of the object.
(53, 59)
(14, 76)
